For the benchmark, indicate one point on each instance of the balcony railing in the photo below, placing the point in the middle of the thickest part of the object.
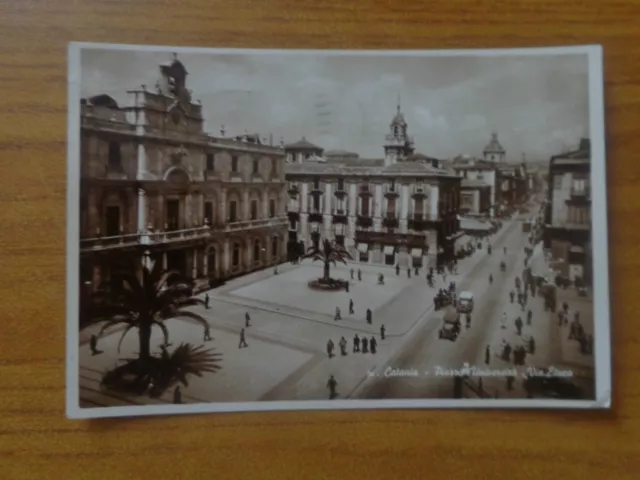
(391, 190)
(293, 190)
(365, 190)
(340, 216)
(254, 224)
(143, 238)
(581, 193)
(419, 190)
(340, 191)
(315, 217)
(390, 221)
(364, 221)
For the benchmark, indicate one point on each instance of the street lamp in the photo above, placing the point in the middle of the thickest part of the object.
(147, 262)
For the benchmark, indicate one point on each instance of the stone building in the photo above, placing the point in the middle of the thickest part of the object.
(567, 230)
(401, 209)
(153, 181)
(478, 186)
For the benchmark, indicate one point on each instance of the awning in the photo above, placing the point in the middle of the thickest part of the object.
(363, 247)
(389, 249)
(416, 252)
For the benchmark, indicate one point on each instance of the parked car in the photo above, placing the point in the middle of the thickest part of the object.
(450, 325)
(465, 302)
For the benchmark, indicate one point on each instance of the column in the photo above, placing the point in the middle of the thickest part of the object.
(141, 156)
(304, 197)
(164, 261)
(223, 206)
(377, 204)
(226, 257)
(205, 262)
(265, 204)
(245, 205)
(434, 197)
(404, 202)
(328, 191)
(194, 267)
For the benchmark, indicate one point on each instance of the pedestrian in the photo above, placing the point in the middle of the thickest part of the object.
(331, 385)
(532, 345)
(93, 345)
(177, 395)
(408, 272)
(560, 318)
(518, 324)
(487, 355)
(337, 316)
(346, 286)
(351, 272)
(576, 316)
(490, 279)
(351, 311)
(365, 345)
(369, 316)
(504, 320)
(343, 346)
(247, 320)
(565, 307)
(243, 342)
(373, 344)
(511, 295)
(206, 301)
(330, 348)
(417, 271)
(207, 334)
(275, 270)
(529, 317)
(356, 343)
(397, 269)
(382, 331)
(359, 275)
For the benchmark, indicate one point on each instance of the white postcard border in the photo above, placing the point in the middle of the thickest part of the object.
(602, 336)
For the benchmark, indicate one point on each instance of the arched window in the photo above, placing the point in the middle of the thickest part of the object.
(236, 255)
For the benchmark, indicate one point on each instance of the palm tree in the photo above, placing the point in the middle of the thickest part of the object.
(142, 303)
(329, 254)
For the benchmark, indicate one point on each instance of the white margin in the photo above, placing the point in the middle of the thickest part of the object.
(602, 349)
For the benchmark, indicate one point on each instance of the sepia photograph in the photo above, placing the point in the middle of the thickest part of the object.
(255, 230)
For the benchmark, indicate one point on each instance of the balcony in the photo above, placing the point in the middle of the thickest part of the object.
(365, 191)
(419, 191)
(255, 224)
(293, 190)
(340, 216)
(293, 216)
(390, 221)
(364, 221)
(143, 239)
(315, 217)
(391, 191)
(316, 189)
(579, 196)
(340, 192)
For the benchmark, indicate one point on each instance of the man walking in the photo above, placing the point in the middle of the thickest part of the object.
(247, 320)
(359, 275)
(351, 311)
(206, 301)
(369, 316)
(373, 344)
(207, 334)
(243, 342)
(382, 331)
(343, 346)
(331, 385)
(356, 343)
(177, 395)
(337, 315)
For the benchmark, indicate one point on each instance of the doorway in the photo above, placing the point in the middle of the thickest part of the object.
(112, 221)
(173, 214)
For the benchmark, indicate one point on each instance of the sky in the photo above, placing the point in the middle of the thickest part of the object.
(538, 105)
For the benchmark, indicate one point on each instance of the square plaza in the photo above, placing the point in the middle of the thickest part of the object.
(290, 289)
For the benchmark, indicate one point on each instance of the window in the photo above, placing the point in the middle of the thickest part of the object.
(233, 214)
(316, 203)
(211, 163)
(365, 207)
(236, 255)
(208, 212)
(173, 214)
(341, 185)
(391, 208)
(272, 208)
(316, 184)
(234, 164)
(274, 166)
(112, 221)
(115, 156)
(254, 209)
(393, 186)
(256, 251)
(256, 166)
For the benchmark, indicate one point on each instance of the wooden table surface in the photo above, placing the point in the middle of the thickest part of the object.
(37, 441)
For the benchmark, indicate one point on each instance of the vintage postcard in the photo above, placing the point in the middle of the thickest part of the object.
(275, 230)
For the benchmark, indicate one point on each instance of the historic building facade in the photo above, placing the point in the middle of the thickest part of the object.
(153, 181)
(567, 231)
(401, 210)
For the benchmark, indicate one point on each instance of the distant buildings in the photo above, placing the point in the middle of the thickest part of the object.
(400, 209)
(153, 181)
(567, 232)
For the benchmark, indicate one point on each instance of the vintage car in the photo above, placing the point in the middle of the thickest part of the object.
(450, 325)
(465, 302)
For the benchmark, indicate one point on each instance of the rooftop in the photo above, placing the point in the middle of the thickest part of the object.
(494, 145)
(302, 144)
(471, 183)
(406, 169)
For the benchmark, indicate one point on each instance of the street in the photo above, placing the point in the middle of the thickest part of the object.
(424, 350)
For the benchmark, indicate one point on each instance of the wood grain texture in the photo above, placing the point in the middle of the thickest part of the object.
(37, 442)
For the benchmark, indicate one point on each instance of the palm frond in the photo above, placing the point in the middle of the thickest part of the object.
(165, 330)
(124, 334)
(164, 278)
